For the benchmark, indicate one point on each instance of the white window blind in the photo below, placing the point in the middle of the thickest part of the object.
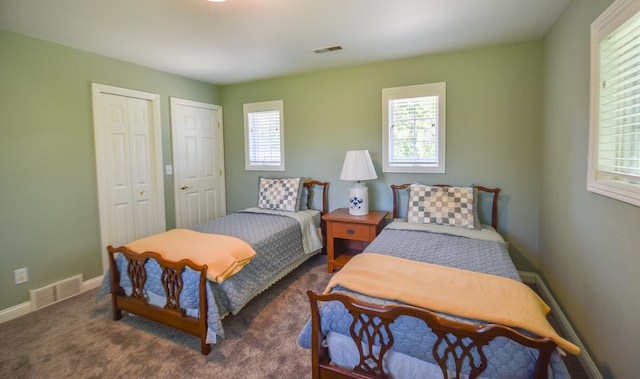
(614, 135)
(413, 136)
(264, 136)
(619, 127)
(413, 128)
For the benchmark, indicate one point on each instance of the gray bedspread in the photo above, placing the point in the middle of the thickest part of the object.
(489, 257)
(278, 242)
(506, 358)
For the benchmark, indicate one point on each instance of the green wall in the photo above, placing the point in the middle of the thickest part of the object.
(48, 201)
(589, 244)
(493, 122)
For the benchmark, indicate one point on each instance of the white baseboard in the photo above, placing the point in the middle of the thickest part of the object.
(15, 312)
(584, 357)
(26, 307)
(90, 284)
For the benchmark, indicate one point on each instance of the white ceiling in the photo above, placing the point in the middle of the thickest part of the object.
(242, 40)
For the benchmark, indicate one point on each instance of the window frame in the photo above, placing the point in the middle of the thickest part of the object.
(617, 188)
(265, 106)
(420, 90)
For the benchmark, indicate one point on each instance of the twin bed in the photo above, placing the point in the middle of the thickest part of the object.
(156, 278)
(436, 255)
(434, 295)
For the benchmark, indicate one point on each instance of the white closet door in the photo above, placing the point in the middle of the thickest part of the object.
(129, 165)
(198, 159)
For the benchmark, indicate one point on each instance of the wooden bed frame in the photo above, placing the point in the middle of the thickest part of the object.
(172, 314)
(458, 339)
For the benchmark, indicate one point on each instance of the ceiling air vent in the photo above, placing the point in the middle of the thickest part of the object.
(327, 49)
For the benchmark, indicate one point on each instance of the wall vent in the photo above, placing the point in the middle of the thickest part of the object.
(47, 295)
(69, 287)
(43, 296)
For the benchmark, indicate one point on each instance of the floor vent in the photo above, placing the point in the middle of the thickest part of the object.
(55, 292)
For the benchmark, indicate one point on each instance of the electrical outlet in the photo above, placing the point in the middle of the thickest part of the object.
(21, 275)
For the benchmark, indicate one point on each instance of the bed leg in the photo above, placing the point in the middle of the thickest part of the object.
(205, 348)
(117, 313)
(115, 284)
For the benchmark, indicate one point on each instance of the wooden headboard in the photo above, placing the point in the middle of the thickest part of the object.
(486, 195)
(311, 198)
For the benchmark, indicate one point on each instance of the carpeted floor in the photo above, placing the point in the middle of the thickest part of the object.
(78, 339)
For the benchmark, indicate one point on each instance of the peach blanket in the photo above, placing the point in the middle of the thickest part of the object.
(449, 290)
(223, 255)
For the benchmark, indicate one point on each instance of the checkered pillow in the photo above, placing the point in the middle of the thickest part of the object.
(441, 205)
(280, 194)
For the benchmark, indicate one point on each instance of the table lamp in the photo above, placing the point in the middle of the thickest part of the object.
(357, 167)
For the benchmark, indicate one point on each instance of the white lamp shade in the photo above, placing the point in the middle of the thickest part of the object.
(358, 166)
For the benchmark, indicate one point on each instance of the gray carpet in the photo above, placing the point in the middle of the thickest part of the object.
(78, 339)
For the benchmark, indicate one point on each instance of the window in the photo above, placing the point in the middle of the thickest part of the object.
(614, 149)
(413, 128)
(264, 136)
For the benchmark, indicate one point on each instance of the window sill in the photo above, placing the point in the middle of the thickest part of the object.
(625, 192)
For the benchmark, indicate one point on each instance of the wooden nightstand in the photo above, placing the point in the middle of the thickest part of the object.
(348, 235)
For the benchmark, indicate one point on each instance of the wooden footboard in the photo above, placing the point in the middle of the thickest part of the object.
(455, 340)
(172, 314)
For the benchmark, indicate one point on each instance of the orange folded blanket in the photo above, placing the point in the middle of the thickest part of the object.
(468, 294)
(223, 255)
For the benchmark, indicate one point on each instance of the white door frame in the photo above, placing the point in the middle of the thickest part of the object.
(97, 90)
(220, 152)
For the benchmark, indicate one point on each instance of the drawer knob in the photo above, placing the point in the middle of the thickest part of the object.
(350, 232)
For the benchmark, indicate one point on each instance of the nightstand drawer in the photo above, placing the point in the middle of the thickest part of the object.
(350, 231)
